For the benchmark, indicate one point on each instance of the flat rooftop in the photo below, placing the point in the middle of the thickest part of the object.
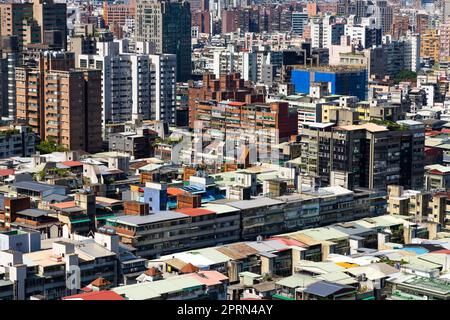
(151, 218)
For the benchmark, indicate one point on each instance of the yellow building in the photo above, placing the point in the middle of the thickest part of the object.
(346, 114)
(430, 44)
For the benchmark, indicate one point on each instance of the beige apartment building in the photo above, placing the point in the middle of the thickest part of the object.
(423, 205)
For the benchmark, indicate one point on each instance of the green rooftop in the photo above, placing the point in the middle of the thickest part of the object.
(430, 284)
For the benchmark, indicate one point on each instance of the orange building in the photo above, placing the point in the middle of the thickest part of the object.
(118, 13)
(430, 44)
(227, 87)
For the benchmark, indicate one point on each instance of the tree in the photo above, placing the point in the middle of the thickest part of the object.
(406, 75)
(49, 146)
(391, 125)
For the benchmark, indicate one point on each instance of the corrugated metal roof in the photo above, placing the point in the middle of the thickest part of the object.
(219, 208)
(35, 186)
(35, 213)
(152, 290)
(233, 254)
(214, 255)
(325, 288)
(325, 233)
(338, 277)
(176, 263)
(296, 281)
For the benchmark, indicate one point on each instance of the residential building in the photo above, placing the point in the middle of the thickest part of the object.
(9, 60)
(163, 89)
(437, 177)
(60, 103)
(299, 21)
(384, 15)
(167, 27)
(430, 44)
(17, 141)
(226, 87)
(373, 156)
(17, 20)
(342, 80)
(118, 13)
(325, 31)
(164, 232)
(45, 271)
(422, 205)
(51, 17)
(126, 82)
(202, 285)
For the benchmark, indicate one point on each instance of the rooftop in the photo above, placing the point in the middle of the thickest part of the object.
(371, 127)
(326, 288)
(195, 212)
(151, 218)
(254, 203)
(34, 213)
(35, 186)
(96, 295)
(332, 69)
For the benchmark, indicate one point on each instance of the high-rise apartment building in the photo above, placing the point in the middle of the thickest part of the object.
(384, 15)
(51, 17)
(167, 27)
(430, 44)
(400, 26)
(299, 21)
(367, 155)
(29, 80)
(412, 52)
(134, 84)
(445, 10)
(9, 59)
(202, 19)
(16, 19)
(444, 41)
(72, 109)
(229, 20)
(163, 78)
(325, 31)
(363, 32)
(125, 82)
(60, 103)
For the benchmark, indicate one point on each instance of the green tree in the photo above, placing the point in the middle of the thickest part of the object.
(49, 146)
(406, 75)
(391, 125)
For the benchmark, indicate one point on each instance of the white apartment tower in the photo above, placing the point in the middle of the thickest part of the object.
(412, 52)
(163, 87)
(325, 31)
(126, 86)
(228, 60)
